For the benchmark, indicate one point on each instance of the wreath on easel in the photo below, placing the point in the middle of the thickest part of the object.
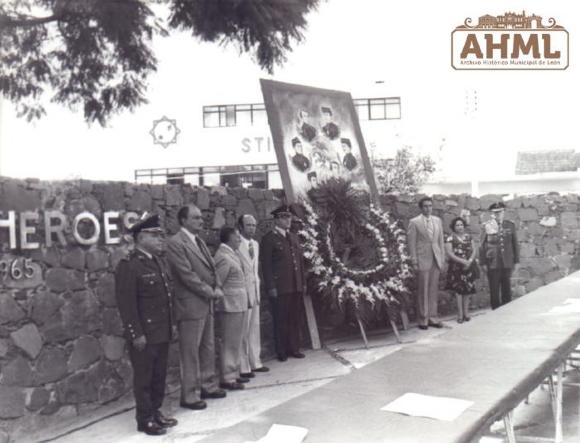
(356, 252)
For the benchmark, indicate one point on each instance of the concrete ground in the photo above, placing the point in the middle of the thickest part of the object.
(287, 380)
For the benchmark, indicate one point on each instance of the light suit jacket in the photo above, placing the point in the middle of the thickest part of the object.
(423, 248)
(194, 276)
(251, 270)
(233, 281)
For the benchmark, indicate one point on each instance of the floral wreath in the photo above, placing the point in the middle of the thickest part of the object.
(387, 282)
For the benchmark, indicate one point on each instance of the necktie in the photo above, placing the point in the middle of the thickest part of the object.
(251, 250)
(429, 222)
(201, 247)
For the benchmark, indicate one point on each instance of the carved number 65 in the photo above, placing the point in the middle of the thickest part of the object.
(17, 268)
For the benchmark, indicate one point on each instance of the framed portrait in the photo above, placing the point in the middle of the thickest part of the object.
(316, 135)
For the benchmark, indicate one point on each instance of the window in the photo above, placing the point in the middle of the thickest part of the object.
(254, 114)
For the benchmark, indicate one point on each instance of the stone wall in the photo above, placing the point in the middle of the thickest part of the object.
(61, 348)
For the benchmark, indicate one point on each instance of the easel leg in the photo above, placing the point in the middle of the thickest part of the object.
(395, 330)
(405, 320)
(558, 438)
(311, 321)
(362, 331)
(509, 427)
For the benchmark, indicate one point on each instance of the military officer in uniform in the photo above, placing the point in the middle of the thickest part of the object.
(330, 129)
(349, 160)
(285, 282)
(305, 129)
(499, 254)
(143, 292)
(299, 160)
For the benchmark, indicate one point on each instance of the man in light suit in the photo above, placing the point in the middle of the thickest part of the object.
(196, 288)
(249, 253)
(231, 309)
(426, 247)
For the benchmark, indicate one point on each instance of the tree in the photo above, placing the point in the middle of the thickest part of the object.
(97, 53)
(406, 173)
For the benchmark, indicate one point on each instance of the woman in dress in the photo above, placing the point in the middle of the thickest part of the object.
(462, 271)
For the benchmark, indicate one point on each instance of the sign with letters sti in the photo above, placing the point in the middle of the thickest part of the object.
(510, 41)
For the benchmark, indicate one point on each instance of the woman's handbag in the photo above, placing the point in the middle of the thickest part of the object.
(475, 271)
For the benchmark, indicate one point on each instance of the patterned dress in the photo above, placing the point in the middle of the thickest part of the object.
(460, 280)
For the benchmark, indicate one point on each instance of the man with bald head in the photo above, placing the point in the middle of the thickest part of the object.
(249, 253)
(196, 289)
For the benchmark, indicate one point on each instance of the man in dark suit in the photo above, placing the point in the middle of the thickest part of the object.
(143, 294)
(349, 160)
(299, 160)
(285, 281)
(330, 129)
(499, 254)
(196, 289)
(305, 129)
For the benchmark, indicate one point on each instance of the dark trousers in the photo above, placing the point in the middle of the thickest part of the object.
(499, 281)
(149, 372)
(287, 313)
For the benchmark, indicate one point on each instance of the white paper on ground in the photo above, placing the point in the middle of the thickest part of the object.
(570, 306)
(283, 434)
(418, 405)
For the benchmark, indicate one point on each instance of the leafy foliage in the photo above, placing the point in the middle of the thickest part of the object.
(406, 173)
(97, 54)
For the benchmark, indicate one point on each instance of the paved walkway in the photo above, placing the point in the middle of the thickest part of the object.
(115, 423)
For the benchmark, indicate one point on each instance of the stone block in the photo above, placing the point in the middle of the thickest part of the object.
(451, 203)
(112, 196)
(516, 203)
(79, 315)
(202, 201)
(50, 366)
(472, 203)
(44, 305)
(228, 201)
(528, 250)
(78, 388)
(10, 311)
(17, 372)
(567, 247)
(117, 254)
(173, 195)
(112, 324)
(60, 280)
(219, 190)
(28, 339)
(124, 370)
(86, 351)
(74, 258)
(16, 198)
(246, 206)
(140, 201)
(4, 436)
(534, 284)
(548, 222)
(553, 276)
(269, 195)
(3, 348)
(97, 260)
(256, 194)
(157, 192)
(539, 266)
(106, 290)
(569, 220)
(50, 256)
(113, 347)
(563, 261)
(12, 402)
(37, 399)
(551, 247)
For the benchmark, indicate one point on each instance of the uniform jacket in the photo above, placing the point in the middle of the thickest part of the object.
(143, 292)
(194, 277)
(349, 161)
(301, 162)
(233, 280)
(331, 130)
(251, 270)
(282, 263)
(307, 131)
(422, 248)
(501, 244)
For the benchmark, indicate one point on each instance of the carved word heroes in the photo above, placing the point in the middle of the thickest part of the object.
(25, 224)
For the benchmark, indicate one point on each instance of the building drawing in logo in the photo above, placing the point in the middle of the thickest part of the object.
(510, 20)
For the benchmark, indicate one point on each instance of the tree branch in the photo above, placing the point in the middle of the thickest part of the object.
(10, 22)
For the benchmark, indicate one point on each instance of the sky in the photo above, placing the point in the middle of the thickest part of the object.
(472, 122)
